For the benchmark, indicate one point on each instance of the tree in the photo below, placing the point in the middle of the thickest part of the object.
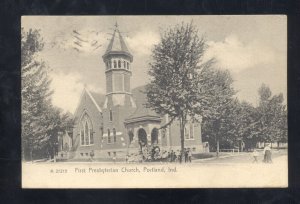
(221, 103)
(236, 126)
(246, 118)
(35, 90)
(182, 85)
(55, 123)
(271, 122)
(41, 122)
(240, 121)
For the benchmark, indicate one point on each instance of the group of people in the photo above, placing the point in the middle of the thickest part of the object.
(179, 157)
(267, 155)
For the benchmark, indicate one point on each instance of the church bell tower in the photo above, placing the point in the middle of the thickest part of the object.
(118, 59)
(119, 103)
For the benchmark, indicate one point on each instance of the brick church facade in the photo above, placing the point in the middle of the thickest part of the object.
(118, 123)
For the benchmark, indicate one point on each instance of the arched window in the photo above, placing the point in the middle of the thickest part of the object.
(101, 134)
(186, 132)
(192, 131)
(115, 64)
(108, 136)
(115, 135)
(86, 131)
(127, 65)
(110, 115)
(91, 136)
(119, 64)
(124, 64)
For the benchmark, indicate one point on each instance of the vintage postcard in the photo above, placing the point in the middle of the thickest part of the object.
(154, 101)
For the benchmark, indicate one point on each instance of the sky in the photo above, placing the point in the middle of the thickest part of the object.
(253, 48)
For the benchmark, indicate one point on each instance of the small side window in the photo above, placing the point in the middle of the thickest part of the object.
(119, 64)
(115, 135)
(108, 136)
(110, 115)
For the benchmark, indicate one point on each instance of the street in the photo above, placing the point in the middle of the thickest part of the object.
(243, 158)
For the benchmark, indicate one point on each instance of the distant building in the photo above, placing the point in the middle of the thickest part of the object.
(65, 143)
(118, 123)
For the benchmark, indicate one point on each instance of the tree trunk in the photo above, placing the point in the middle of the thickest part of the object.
(54, 154)
(31, 150)
(216, 126)
(182, 124)
(218, 147)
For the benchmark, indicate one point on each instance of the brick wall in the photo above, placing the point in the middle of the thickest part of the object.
(175, 141)
(109, 82)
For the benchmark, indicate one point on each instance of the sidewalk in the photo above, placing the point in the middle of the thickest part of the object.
(221, 157)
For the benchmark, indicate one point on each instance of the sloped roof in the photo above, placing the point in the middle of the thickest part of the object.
(141, 112)
(99, 98)
(117, 45)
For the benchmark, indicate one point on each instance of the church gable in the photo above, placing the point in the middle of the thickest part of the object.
(89, 101)
(88, 123)
(88, 106)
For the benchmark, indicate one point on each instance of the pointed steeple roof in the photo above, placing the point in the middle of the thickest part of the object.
(117, 44)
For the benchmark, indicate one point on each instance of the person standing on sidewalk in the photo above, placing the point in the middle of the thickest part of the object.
(114, 158)
(185, 155)
(92, 154)
(172, 156)
(255, 156)
(190, 156)
(267, 154)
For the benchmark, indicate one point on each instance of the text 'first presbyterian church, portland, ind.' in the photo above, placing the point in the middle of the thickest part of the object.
(118, 123)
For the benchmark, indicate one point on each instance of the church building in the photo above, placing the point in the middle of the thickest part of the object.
(118, 123)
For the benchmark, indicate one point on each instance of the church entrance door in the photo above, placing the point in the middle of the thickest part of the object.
(142, 136)
(154, 136)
